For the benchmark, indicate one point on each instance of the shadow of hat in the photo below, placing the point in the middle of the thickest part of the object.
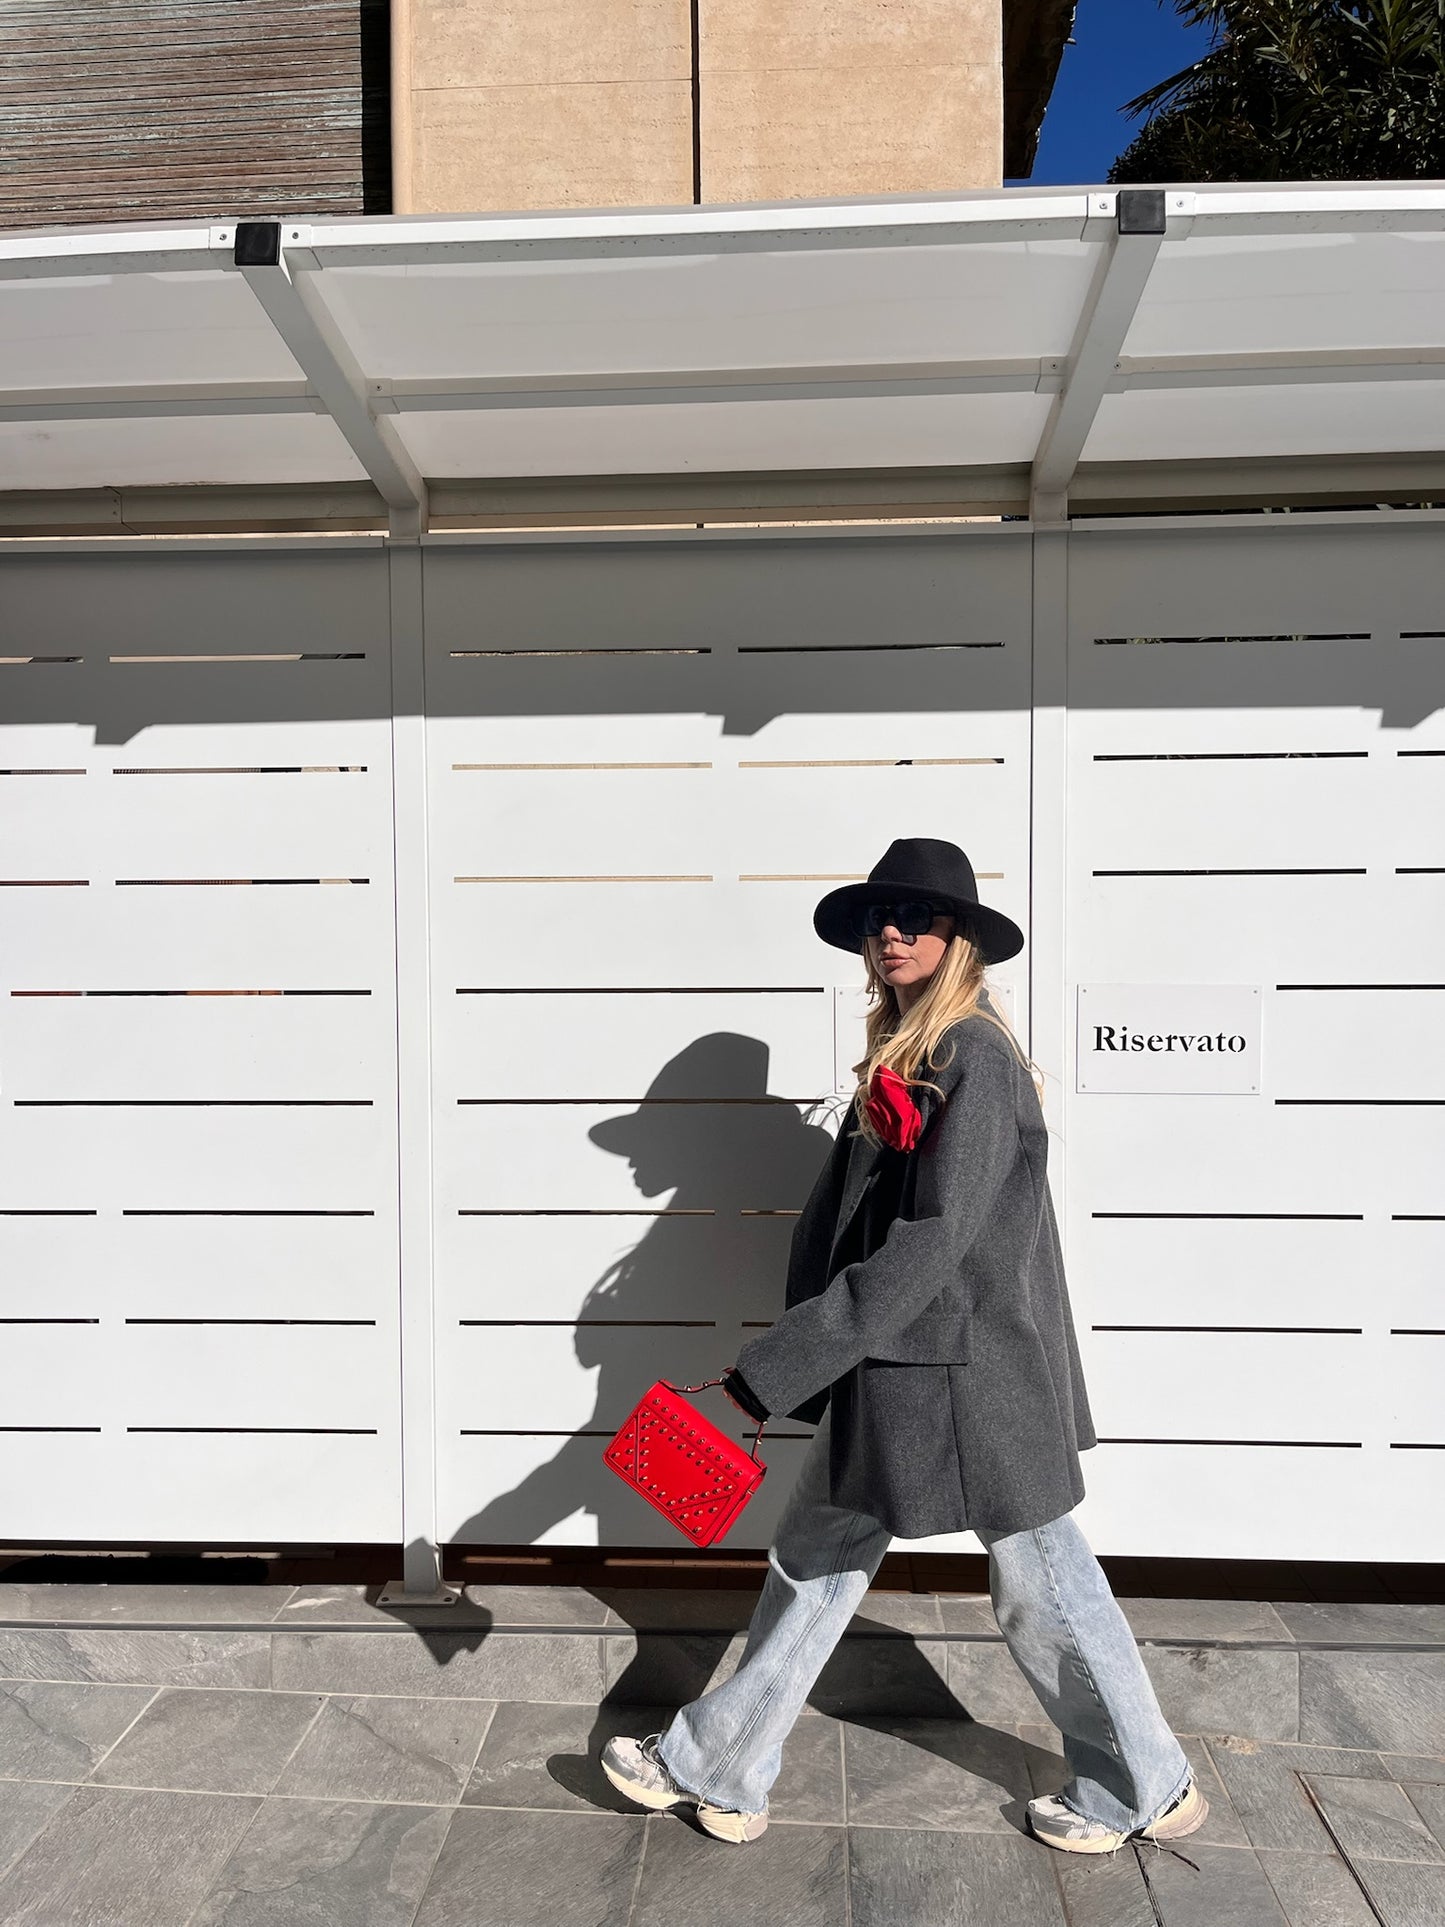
(721, 1067)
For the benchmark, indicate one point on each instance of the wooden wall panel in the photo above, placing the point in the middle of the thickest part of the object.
(139, 110)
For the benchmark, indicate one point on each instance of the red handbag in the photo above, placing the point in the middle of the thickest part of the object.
(680, 1462)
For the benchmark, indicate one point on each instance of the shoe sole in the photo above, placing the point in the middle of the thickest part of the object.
(716, 1821)
(1189, 1819)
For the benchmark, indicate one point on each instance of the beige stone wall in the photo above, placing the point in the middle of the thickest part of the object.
(805, 99)
(547, 103)
(590, 103)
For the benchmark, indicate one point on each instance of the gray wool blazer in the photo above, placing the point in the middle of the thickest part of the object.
(948, 1352)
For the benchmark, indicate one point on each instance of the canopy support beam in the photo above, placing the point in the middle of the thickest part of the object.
(305, 324)
(1104, 323)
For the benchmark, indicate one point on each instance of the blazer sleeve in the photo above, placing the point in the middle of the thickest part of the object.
(970, 1152)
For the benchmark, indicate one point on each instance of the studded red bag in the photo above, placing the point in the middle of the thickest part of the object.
(680, 1462)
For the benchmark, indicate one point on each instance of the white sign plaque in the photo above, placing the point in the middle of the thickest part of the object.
(1177, 1038)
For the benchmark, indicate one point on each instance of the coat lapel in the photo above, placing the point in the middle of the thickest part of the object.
(863, 1161)
(863, 1158)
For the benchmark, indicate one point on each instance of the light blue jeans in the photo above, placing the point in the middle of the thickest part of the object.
(1054, 1608)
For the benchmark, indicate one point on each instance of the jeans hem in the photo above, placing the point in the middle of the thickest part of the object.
(1148, 1820)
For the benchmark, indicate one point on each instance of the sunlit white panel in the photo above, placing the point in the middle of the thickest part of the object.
(1212, 1384)
(804, 306)
(180, 451)
(973, 430)
(235, 1488)
(1263, 1502)
(1271, 293)
(272, 1267)
(128, 329)
(1327, 418)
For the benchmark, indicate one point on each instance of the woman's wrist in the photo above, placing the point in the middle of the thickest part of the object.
(742, 1394)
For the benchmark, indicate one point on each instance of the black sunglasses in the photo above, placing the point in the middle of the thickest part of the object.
(910, 919)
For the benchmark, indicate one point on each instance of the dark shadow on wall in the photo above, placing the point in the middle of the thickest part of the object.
(711, 1135)
(742, 631)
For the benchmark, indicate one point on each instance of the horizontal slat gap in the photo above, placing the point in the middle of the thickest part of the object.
(1420, 752)
(43, 1211)
(836, 876)
(1361, 1100)
(1420, 870)
(224, 883)
(1302, 1216)
(49, 1428)
(1328, 1445)
(289, 655)
(249, 1321)
(586, 879)
(43, 772)
(498, 1212)
(1360, 986)
(628, 1324)
(1417, 1445)
(642, 990)
(1422, 635)
(44, 883)
(247, 769)
(35, 662)
(871, 762)
(1313, 1331)
(1416, 1331)
(577, 766)
(768, 1212)
(1235, 756)
(511, 654)
(1302, 872)
(190, 993)
(49, 1321)
(1114, 642)
(852, 648)
(640, 1102)
(268, 1431)
(247, 1211)
(480, 1432)
(1342, 635)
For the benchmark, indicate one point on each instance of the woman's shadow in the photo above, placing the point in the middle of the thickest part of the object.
(739, 1162)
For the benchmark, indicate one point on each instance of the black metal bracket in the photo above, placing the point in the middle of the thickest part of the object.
(1140, 210)
(258, 244)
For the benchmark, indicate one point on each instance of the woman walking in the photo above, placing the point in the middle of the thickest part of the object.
(928, 1334)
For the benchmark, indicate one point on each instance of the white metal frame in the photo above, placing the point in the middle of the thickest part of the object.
(292, 293)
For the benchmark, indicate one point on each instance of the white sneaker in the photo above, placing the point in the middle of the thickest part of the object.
(634, 1768)
(1061, 1827)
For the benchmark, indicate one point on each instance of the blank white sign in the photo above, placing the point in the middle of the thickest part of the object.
(1182, 1039)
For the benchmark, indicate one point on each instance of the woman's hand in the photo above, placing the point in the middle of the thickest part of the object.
(743, 1396)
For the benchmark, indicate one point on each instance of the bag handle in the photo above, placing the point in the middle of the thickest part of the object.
(707, 1386)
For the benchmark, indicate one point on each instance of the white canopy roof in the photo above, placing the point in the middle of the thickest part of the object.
(1032, 343)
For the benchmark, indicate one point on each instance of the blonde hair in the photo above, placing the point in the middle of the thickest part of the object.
(908, 1044)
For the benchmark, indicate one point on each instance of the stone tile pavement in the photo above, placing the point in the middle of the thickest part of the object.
(356, 1776)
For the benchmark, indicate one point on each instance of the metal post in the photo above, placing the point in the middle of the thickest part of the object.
(1048, 829)
(421, 1583)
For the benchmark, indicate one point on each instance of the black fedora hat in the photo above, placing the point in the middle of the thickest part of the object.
(919, 866)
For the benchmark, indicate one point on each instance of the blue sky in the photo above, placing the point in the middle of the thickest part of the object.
(1120, 48)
